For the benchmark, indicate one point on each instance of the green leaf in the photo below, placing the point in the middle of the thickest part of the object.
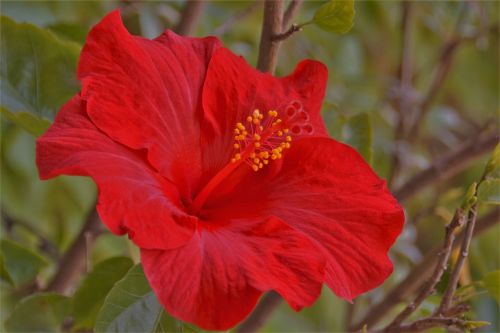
(21, 264)
(489, 192)
(470, 197)
(4, 275)
(358, 134)
(131, 306)
(494, 162)
(37, 74)
(491, 282)
(44, 312)
(335, 16)
(89, 297)
(474, 324)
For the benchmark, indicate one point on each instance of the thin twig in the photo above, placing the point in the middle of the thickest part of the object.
(405, 85)
(416, 276)
(73, 263)
(444, 255)
(457, 269)
(441, 72)
(190, 16)
(45, 244)
(293, 29)
(426, 323)
(448, 166)
(271, 26)
(261, 313)
(292, 10)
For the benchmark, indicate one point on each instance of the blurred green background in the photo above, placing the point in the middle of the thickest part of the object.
(363, 92)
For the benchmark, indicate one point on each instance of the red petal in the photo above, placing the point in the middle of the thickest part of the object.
(215, 280)
(133, 197)
(326, 190)
(233, 90)
(147, 94)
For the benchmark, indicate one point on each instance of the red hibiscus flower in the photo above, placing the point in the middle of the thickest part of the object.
(224, 176)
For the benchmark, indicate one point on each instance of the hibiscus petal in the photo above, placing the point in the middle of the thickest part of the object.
(215, 280)
(133, 197)
(147, 94)
(233, 89)
(326, 190)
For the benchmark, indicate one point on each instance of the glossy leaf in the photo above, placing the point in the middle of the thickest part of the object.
(37, 74)
(21, 264)
(131, 306)
(489, 192)
(494, 161)
(358, 134)
(335, 16)
(470, 197)
(4, 275)
(43, 312)
(491, 282)
(90, 296)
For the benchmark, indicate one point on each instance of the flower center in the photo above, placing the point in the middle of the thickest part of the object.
(263, 138)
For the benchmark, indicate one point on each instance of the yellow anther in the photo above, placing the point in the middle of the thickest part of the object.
(264, 154)
(264, 140)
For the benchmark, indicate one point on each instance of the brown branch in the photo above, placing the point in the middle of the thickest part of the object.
(448, 166)
(190, 16)
(261, 313)
(271, 26)
(293, 29)
(416, 276)
(457, 269)
(444, 255)
(292, 10)
(405, 83)
(441, 72)
(44, 244)
(74, 260)
(426, 323)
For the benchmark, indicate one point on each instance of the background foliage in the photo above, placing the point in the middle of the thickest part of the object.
(40, 43)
